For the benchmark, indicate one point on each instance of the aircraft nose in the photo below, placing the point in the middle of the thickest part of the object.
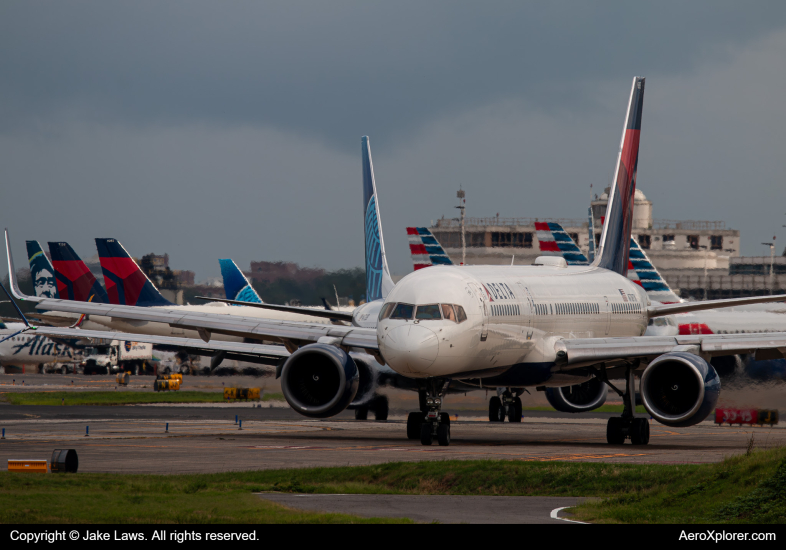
(410, 348)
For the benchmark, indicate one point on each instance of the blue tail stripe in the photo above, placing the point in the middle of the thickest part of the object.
(440, 260)
(429, 240)
(423, 231)
(652, 286)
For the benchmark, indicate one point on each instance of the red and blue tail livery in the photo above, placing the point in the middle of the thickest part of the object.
(74, 280)
(615, 240)
(554, 241)
(425, 248)
(643, 273)
(126, 284)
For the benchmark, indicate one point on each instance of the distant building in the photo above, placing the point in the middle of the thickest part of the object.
(267, 272)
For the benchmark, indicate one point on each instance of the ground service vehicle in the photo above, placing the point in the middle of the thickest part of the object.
(111, 356)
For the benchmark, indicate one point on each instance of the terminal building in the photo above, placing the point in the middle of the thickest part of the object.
(692, 255)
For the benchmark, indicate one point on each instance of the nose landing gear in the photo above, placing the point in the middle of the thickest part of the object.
(429, 423)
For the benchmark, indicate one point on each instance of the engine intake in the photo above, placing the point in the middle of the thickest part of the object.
(679, 389)
(319, 380)
(578, 398)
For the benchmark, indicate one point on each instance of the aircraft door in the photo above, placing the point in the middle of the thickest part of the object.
(607, 311)
(484, 310)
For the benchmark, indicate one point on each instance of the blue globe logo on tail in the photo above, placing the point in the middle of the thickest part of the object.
(373, 253)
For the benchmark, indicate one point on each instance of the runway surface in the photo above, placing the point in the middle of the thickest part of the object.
(430, 508)
(132, 439)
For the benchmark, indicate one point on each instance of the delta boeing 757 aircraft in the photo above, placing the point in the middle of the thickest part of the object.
(546, 325)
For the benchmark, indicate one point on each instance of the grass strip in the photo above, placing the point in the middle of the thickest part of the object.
(746, 488)
(119, 397)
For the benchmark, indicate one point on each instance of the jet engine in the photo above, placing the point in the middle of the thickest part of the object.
(319, 380)
(579, 398)
(679, 389)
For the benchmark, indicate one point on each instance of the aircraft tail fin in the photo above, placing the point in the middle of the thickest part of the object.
(614, 248)
(41, 271)
(642, 272)
(236, 285)
(425, 248)
(126, 283)
(555, 241)
(74, 280)
(378, 280)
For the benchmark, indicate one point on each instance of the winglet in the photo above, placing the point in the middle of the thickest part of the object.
(18, 294)
(614, 248)
(378, 280)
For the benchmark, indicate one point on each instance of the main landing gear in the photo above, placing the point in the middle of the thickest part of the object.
(627, 426)
(379, 405)
(430, 423)
(505, 404)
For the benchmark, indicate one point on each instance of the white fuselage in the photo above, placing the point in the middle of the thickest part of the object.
(514, 316)
(30, 348)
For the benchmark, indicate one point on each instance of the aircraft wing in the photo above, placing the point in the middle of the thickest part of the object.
(256, 353)
(580, 352)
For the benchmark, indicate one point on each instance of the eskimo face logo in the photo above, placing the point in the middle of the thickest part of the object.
(373, 252)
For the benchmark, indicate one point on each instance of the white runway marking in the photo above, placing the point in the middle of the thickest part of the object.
(555, 515)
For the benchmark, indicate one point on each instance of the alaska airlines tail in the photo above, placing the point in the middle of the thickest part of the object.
(554, 241)
(643, 273)
(126, 284)
(236, 285)
(74, 280)
(41, 271)
(378, 280)
(614, 248)
(425, 248)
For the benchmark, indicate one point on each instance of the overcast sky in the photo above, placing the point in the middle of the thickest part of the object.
(232, 129)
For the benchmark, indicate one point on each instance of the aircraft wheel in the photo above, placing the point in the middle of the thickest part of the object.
(496, 410)
(361, 413)
(414, 420)
(426, 437)
(381, 408)
(444, 418)
(514, 411)
(614, 434)
(443, 435)
(640, 431)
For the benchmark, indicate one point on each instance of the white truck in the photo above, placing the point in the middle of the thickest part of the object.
(112, 356)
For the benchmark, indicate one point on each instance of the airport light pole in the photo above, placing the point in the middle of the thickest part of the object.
(462, 206)
(706, 250)
(772, 262)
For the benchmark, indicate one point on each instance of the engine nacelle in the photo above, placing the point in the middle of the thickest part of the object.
(679, 389)
(368, 374)
(579, 398)
(319, 380)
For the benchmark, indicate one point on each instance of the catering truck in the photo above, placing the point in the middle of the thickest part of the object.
(111, 356)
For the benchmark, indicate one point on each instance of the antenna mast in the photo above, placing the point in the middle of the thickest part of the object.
(460, 194)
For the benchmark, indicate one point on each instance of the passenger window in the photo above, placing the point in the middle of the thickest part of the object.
(429, 312)
(448, 313)
(460, 315)
(386, 309)
(403, 311)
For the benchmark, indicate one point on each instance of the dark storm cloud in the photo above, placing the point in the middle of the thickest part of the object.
(336, 70)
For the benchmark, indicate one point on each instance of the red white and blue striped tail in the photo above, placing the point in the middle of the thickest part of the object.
(642, 272)
(554, 241)
(425, 249)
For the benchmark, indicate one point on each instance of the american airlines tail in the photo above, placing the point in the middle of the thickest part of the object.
(425, 248)
(126, 283)
(74, 280)
(236, 285)
(378, 280)
(41, 271)
(642, 272)
(613, 250)
(554, 241)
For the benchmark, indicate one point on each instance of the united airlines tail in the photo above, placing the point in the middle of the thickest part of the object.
(378, 280)
(425, 248)
(74, 280)
(554, 241)
(236, 285)
(41, 271)
(613, 250)
(126, 283)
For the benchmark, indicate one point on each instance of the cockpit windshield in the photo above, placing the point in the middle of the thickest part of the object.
(402, 311)
(428, 313)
